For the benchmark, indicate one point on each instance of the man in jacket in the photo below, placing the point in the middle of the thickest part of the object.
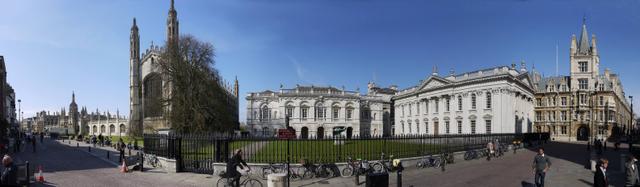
(541, 165)
(9, 174)
(236, 161)
(631, 170)
(600, 177)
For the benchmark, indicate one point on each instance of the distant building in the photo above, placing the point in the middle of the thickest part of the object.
(321, 111)
(7, 98)
(495, 100)
(584, 104)
(149, 86)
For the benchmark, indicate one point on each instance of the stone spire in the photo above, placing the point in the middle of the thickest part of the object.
(172, 25)
(236, 87)
(583, 45)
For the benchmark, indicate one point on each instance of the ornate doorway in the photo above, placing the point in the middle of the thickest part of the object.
(583, 134)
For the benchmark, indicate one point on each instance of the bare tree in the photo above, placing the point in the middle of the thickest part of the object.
(197, 102)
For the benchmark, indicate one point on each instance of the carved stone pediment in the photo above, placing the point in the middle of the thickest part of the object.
(433, 82)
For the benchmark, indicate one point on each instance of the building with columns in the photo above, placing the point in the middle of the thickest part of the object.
(494, 100)
(321, 111)
(589, 103)
(149, 86)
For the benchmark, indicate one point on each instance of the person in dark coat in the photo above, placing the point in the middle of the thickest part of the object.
(234, 162)
(10, 173)
(600, 178)
(121, 147)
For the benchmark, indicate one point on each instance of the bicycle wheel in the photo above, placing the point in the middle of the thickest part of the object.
(467, 156)
(347, 172)
(224, 182)
(378, 167)
(308, 174)
(265, 173)
(436, 163)
(252, 183)
(419, 164)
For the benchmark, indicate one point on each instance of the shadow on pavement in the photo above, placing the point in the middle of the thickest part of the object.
(527, 184)
(586, 182)
(54, 157)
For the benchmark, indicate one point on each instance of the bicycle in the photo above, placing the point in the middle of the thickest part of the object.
(153, 160)
(271, 168)
(323, 170)
(429, 161)
(248, 181)
(354, 167)
(382, 165)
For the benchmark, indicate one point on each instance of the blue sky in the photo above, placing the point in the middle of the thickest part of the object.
(52, 48)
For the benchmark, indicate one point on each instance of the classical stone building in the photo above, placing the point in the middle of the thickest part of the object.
(495, 100)
(108, 125)
(321, 111)
(585, 104)
(149, 86)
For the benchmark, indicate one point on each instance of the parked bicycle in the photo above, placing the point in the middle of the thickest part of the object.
(429, 161)
(355, 167)
(383, 165)
(247, 180)
(271, 168)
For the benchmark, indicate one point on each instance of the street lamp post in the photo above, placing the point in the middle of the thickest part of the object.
(631, 121)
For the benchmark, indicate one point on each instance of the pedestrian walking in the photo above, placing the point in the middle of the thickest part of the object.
(41, 137)
(604, 146)
(541, 165)
(632, 171)
(600, 178)
(33, 144)
(9, 175)
(490, 150)
(121, 147)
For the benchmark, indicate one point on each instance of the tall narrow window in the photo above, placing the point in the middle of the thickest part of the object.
(410, 127)
(488, 126)
(336, 112)
(459, 103)
(473, 101)
(409, 109)
(447, 104)
(304, 112)
(601, 100)
(564, 101)
(289, 111)
(426, 106)
(446, 126)
(350, 113)
(437, 102)
(459, 127)
(418, 108)
(488, 100)
(417, 127)
(426, 127)
(473, 126)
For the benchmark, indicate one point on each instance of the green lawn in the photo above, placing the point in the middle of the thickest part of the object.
(128, 139)
(327, 151)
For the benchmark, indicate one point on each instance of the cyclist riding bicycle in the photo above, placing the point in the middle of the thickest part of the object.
(234, 162)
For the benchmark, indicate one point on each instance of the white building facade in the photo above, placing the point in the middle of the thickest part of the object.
(496, 100)
(109, 127)
(321, 111)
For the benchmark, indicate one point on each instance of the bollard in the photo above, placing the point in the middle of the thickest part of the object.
(129, 152)
(399, 173)
(107, 154)
(141, 162)
(77, 144)
(89, 148)
(357, 179)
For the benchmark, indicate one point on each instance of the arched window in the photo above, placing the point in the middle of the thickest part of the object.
(410, 127)
(417, 127)
(112, 129)
(102, 129)
(473, 101)
(264, 113)
(123, 129)
(488, 99)
(152, 92)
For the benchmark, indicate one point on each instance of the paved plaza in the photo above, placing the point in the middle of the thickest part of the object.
(65, 164)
